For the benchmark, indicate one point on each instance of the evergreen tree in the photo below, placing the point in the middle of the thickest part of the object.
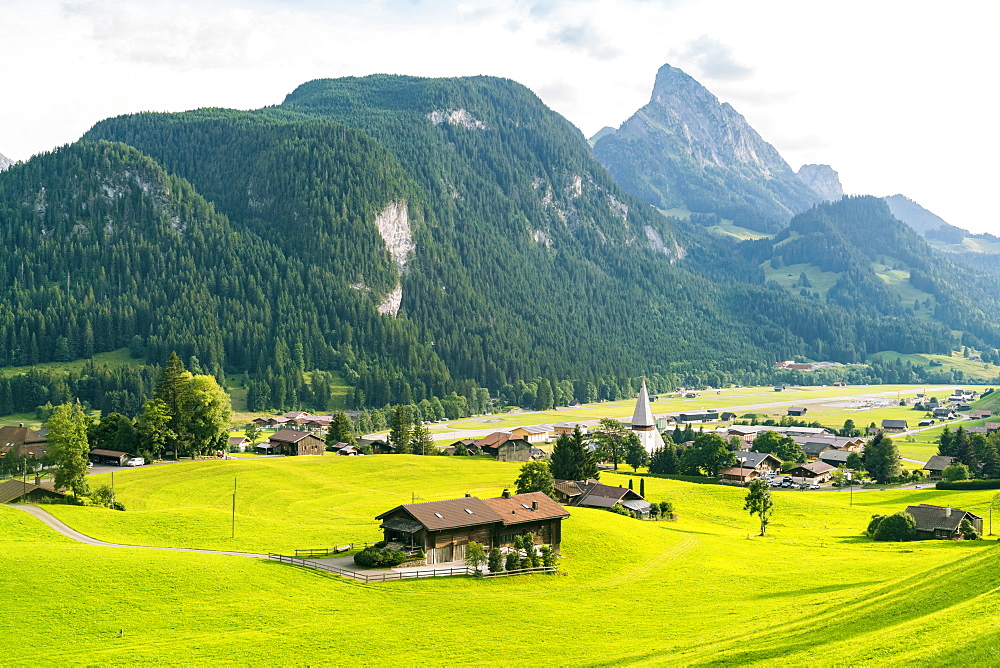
(153, 428)
(340, 430)
(421, 442)
(881, 458)
(399, 432)
(571, 460)
(173, 389)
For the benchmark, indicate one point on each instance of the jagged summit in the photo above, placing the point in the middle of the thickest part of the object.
(5, 162)
(686, 149)
(914, 215)
(822, 180)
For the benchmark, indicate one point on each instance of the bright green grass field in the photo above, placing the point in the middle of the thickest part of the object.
(701, 590)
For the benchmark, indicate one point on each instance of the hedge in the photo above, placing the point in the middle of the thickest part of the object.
(992, 483)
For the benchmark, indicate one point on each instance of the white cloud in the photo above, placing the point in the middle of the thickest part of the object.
(714, 60)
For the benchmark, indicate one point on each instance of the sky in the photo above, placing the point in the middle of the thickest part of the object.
(897, 96)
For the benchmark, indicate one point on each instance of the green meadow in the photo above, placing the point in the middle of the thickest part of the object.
(701, 590)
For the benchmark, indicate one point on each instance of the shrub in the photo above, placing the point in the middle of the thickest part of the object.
(968, 531)
(993, 483)
(873, 525)
(373, 557)
(898, 527)
(621, 510)
(666, 510)
(955, 472)
(548, 556)
(513, 561)
(103, 496)
(494, 561)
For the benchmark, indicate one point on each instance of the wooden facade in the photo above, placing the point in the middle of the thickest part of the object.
(443, 529)
(296, 443)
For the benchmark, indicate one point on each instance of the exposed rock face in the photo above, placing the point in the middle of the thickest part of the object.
(456, 117)
(5, 162)
(394, 226)
(822, 180)
(687, 149)
(914, 215)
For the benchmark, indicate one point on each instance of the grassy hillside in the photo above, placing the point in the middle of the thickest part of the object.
(954, 361)
(700, 590)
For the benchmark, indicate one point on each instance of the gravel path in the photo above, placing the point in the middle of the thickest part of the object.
(53, 523)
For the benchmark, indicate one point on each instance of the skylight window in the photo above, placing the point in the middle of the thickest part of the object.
(439, 515)
(468, 511)
(526, 506)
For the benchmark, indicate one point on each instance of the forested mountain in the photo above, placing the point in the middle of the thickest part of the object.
(687, 150)
(422, 236)
(856, 254)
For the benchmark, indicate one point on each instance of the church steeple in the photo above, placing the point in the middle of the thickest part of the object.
(643, 422)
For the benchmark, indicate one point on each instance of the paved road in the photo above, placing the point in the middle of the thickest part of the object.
(53, 523)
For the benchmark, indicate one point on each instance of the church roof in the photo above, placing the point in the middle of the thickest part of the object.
(643, 416)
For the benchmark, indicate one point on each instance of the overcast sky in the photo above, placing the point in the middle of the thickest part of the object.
(897, 96)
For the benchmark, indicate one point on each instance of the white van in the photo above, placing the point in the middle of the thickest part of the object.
(135, 461)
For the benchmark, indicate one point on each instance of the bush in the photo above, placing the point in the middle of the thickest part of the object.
(103, 496)
(993, 483)
(494, 560)
(899, 527)
(955, 472)
(513, 561)
(548, 556)
(621, 510)
(374, 557)
(968, 531)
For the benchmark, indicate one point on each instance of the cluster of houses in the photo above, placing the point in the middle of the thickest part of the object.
(825, 453)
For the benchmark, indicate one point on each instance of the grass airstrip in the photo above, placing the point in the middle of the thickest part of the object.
(701, 590)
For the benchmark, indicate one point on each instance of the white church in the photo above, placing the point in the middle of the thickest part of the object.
(643, 422)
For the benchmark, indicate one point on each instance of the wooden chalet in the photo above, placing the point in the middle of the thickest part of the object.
(937, 523)
(814, 471)
(379, 446)
(293, 443)
(27, 492)
(980, 414)
(761, 462)
(936, 464)
(505, 447)
(738, 475)
(568, 428)
(895, 425)
(239, 443)
(797, 411)
(443, 529)
(593, 494)
(23, 442)
(532, 433)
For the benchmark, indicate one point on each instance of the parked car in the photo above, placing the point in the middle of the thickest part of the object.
(815, 485)
(135, 461)
(786, 484)
(803, 485)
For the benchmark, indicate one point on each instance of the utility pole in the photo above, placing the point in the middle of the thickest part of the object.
(233, 532)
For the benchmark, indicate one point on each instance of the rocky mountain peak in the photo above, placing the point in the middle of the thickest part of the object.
(822, 180)
(5, 162)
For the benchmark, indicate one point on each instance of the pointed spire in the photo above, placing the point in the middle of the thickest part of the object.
(643, 416)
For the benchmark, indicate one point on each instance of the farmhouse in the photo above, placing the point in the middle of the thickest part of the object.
(593, 494)
(797, 411)
(240, 443)
(709, 415)
(288, 442)
(379, 446)
(443, 529)
(935, 522)
(894, 425)
(815, 471)
(108, 457)
(944, 413)
(836, 458)
(23, 442)
(568, 428)
(936, 464)
(979, 415)
(727, 416)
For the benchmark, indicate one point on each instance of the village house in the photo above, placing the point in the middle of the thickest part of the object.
(937, 523)
(28, 492)
(238, 443)
(980, 414)
(936, 464)
(293, 443)
(797, 411)
(944, 413)
(813, 471)
(443, 529)
(761, 462)
(505, 447)
(738, 475)
(379, 446)
(23, 442)
(709, 415)
(835, 458)
(894, 425)
(567, 428)
(593, 494)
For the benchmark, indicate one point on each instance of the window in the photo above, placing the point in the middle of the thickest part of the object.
(469, 511)
(439, 516)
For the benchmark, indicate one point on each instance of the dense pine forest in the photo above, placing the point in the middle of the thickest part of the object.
(248, 243)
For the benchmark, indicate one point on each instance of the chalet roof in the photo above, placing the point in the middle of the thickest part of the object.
(13, 489)
(637, 505)
(402, 524)
(894, 424)
(569, 488)
(981, 414)
(939, 463)
(814, 447)
(448, 514)
(754, 459)
(818, 468)
(290, 436)
(17, 437)
(535, 429)
(797, 408)
(517, 508)
(238, 440)
(494, 440)
(643, 415)
(930, 517)
(738, 471)
(834, 457)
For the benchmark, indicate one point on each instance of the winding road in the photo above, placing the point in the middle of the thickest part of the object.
(53, 523)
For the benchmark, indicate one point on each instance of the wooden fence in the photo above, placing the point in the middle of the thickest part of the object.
(329, 552)
(383, 576)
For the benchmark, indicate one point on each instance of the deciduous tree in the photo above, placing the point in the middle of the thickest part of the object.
(69, 447)
(758, 502)
(535, 477)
